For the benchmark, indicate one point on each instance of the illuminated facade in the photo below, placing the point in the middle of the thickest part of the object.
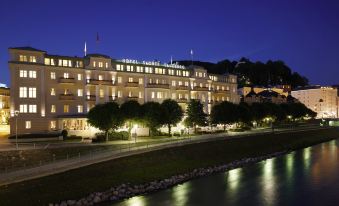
(323, 100)
(4, 105)
(55, 92)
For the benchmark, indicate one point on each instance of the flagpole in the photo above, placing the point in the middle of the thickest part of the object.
(192, 57)
(85, 49)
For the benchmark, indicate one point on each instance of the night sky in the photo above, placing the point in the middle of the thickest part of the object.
(304, 33)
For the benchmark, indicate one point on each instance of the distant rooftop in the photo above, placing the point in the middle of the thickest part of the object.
(311, 87)
(27, 48)
(3, 85)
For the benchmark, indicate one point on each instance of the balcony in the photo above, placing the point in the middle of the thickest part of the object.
(90, 97)
(99, 82)
(221, 91)
(132, 84)
(66, 97)
(132, 98)
(182, 87)
(182, 100)
(161, 86)
(200, 89)
(63, 80)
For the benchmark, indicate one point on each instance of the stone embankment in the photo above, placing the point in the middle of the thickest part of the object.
(127, 190)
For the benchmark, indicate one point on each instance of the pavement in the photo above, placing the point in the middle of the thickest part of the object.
(127, 150)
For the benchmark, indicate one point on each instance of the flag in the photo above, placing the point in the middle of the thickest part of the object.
(98, 37)
(171, 59)
(85, 49)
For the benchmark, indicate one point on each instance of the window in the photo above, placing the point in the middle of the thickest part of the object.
(159, 95)
(100, 77)
(66, 108)
(23, 92)
(141, 81)
(28, 124)
(79, 77)
(186, 84)
(173, 95)
(32, 74)
(22, 58)
(130, 79)
(140, 94)
(23, 73)
(32, 92)
(32, 108)
(128, 68)
(80, 92)
(53, 108)
(173, 83)
(80, 109)
(119, 94)
(101, 93)
(129, 94)
(32, 58)
(52, 75)
(53, 124)
(66, 75)
(23, 108)
(153, 95)
(94, 64)
(119, 79)
(106, 65)
(100, 64)
(52, 92)
(120, 67)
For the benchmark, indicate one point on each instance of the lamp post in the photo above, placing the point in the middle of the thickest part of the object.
(16, 114)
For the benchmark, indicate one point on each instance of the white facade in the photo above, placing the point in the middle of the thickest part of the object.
(323, 100)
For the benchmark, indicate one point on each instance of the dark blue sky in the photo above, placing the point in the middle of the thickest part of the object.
(304, 33)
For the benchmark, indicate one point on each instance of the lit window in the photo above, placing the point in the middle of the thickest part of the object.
(173, 83)
(28, 124)
(52, 92)
(173, 95)
(94, 64)
(118, 67)
(53, 124)
(100, 77)
(128, 68)
(32, 74)
(141, 81)
(66, 108)
(119, 79)
(32, 92)
(47, 61)
(106, 65)
(22, 58)
(101, 93)
(23, 73)
(23, 92)
(159, 95)
(140, 94)
(130, 79)
(52, 75)
(53, 108)
(180, 96)
(32, 59)
(100, 64)
(32, 108)
(66, 75)
(79, 77)
(119, 94)
(129, 94)
(180, 83)
(186, 84)
(80, 109)
(23, 108)
(80, 92)
(153, 95)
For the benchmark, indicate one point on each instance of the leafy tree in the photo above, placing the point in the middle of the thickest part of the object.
(172, 113)
(224, 113)
(105, 117)
(152, 116)
(131, 113)
(244, 113)
(195, 114)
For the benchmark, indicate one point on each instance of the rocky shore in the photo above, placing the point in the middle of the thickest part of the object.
(127, 190)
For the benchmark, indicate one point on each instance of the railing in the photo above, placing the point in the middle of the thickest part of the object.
(182, 100)
(133, 98)
(90, 97)
(66, 97)
(200, 88)
(63, 80)
(182, 87)
(162, 86)
(99, 82)
(132, 84)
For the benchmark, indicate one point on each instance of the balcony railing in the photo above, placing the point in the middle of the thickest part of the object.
(132, 84)
(182, 100)
(200, 88)
(63, 80)
(133, 98)
(182, 87)
(99, 82)
(90, 97)
(162, 86)
(221, 91)
(66, 97)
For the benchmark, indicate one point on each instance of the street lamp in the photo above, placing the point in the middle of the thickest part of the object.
(16, 114)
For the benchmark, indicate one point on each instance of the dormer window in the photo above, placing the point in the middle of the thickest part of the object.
(32, 58)
(22, 58)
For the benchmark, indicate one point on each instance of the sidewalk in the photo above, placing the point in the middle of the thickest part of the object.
(123, 151)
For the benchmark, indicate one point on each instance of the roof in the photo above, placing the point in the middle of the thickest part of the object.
(268, 93)
(251, 93)
(27, 48)
(307, 87)
(98, 55)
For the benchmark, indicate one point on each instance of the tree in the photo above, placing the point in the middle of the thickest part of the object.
(172, 113)
(224, 113)
(243, 113)
(105, 117)
(195, 114)
(152, 116)
(131, 113)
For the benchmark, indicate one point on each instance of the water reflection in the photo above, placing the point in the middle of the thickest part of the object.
(304, 177)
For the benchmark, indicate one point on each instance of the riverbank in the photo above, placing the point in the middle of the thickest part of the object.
(156, 165)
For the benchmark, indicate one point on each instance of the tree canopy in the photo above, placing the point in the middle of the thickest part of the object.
(152, 116)
(195, 114)
(171, 113)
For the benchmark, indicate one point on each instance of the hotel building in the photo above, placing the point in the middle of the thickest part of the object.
(4, 104)
(53, 92)
(323, 100)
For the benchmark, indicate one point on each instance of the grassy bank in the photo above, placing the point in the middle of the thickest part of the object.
(153, 165)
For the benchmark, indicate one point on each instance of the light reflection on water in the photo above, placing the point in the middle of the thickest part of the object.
(304, 177)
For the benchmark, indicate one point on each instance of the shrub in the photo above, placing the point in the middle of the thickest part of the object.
(64, 133)
(112, 135)
(32, 136)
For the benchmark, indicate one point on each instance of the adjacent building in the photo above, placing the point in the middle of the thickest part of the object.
(54, 92)
(4, 104)
(323, 100)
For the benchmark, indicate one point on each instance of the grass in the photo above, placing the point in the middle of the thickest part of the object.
(153, 165)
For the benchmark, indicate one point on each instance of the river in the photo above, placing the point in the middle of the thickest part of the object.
(305, 177)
